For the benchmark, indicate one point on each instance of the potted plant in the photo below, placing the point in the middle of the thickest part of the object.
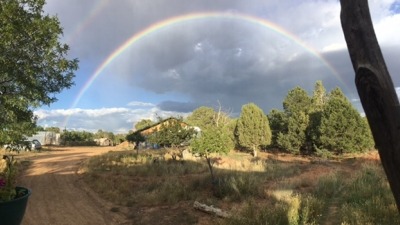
(13, 199)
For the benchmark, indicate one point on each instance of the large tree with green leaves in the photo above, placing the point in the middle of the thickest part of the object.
(253, 130)
(211, 141)
(33, 65)
(215, 138)
(342, 128)
(202, 117)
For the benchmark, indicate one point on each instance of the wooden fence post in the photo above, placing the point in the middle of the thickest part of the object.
(374, 86)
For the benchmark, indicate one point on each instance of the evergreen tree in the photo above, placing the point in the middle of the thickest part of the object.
(318, 102)
(279, 123)
(342, 128)
(253, 128)
(297, 106)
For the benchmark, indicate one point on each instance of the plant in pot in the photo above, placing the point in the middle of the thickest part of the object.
(13, 199)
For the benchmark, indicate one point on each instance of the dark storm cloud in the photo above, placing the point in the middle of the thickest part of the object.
(227, 62)
(175, 106)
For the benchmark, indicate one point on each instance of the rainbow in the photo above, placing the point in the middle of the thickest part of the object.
(192, 17)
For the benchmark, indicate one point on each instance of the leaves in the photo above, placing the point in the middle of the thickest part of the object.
(33, 63)
(253, 128)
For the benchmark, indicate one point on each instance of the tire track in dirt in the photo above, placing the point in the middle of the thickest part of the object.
(59, 197)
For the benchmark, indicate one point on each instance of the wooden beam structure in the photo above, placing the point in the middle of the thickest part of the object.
(374, 86)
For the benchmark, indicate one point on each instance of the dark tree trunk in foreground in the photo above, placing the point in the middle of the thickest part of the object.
(375, 87)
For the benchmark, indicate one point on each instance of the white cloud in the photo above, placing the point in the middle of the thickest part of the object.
(140, 104)
(117, 120)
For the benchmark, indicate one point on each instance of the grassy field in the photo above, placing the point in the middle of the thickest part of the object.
(272, 189)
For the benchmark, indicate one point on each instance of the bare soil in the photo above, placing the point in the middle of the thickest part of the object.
(59, 196)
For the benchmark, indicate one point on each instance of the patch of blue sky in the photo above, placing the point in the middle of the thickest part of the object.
(395, 7)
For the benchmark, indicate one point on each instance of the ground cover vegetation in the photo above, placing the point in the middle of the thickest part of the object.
(314, 167)
(276, 188)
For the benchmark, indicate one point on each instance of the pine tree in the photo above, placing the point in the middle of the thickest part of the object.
(342, 128)
(278, 122)
(253, 128)
(318, 102)
(296, 108)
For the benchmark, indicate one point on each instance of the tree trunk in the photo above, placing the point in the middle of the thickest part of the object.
(210, 166)
(254, 151)
(375, 87)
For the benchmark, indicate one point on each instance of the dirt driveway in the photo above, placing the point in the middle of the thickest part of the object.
(59, 196)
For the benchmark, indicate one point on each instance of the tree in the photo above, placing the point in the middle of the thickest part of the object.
(297, 106)
(172, 132)
(318, 102)
(295, 137)
(143, 123)
(77, 138)
(53, 129)
(253, 128)
(278, 124)
(202, 117)
(342, 128)
(33, 65)
(207, 118)
(215, 139)
(136, 138)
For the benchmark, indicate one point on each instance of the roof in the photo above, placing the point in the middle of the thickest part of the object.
(155, 127)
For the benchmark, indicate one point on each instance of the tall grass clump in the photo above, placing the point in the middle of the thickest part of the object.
(238, 186)
(128, 178)
(368, 198)
(295, 209)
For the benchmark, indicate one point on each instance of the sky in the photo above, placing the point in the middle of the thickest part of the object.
(159, 58)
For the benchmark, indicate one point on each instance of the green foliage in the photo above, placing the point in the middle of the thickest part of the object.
(104, 134)
(53, 129)
(239, 186)
(322, 124)
(278, 123)
(203, 117)
(135, 137)
(33, 65)
(342, 128)
(297, 106)
(297, 100)
(76, 138)
(143, 124)
(295, 137)
(368, 200)
(172, 132)
(207, 118)
(253, 128)
(211, 141)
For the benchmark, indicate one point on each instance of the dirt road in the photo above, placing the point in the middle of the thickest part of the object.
(59, 197)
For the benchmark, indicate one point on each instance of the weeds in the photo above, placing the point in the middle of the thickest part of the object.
(262, 191)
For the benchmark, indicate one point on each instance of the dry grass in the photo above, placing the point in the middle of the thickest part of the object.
(272, 189)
